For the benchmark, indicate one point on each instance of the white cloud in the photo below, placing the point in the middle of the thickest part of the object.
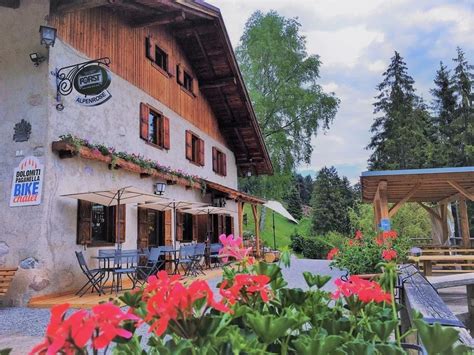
(343, 46)
(330, 87)
(378, 66)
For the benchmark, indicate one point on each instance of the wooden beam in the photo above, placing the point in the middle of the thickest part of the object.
(240, 214)
(13, 4)
(461, 190)
(256, 219)
(380, 203)
(465, 234)
(162, 19)
(430, 211)
(64, 6)
(400, 203)
(218, 83)
(444, 221)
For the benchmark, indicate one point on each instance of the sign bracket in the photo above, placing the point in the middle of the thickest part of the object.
(65, 77)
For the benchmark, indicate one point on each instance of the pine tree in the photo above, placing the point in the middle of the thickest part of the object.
(444, 107)
(464, 134)
(331, 201)
(401, 132)
(294, 203)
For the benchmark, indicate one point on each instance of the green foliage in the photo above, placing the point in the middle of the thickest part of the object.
(402, 132)
(332, 199)
(294, 203)
(305, 188)
(290, 105)
(316, 247)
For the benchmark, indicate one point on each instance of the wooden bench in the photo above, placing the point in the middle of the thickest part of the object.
(446, 260)
(419, 295)
(6, 277)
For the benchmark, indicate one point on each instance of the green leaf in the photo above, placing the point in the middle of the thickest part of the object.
(269, 328)
(321, 345)
(293, 296)
(384, 329)
(358, 347)
(6, 351)
(436, 338)
(315, 280)
(389, 349)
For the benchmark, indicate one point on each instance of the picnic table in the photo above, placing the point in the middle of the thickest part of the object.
(447, 260)
(447, 250)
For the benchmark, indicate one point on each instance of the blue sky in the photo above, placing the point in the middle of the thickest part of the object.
(355, 40)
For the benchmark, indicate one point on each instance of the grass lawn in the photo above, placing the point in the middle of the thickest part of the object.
(283, 227)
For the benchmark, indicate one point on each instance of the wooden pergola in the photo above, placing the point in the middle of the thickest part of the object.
(439, 187)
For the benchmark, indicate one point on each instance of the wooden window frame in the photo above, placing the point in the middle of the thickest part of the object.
(164, 127)
(151, 50)
(181, 73)
(219, 162)
(194, 153)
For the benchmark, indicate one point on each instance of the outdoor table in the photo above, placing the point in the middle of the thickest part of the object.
(428, 260)
(107, 260)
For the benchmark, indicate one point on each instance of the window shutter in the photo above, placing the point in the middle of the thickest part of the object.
(224, 164)
(214, 160)
(179, 74)
(194, 86)
(220, 225)
(150, 48)
(231, 224)
(144, 113)
(166, 132)
(168, 222)
(189, 145)
(201, 152)
(142, 233)
(179, 225)
(84, 222)
(120, 227)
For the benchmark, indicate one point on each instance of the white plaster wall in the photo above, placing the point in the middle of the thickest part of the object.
(23, 89)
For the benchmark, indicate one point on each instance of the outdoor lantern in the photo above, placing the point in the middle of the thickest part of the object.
(36, 58)
(47, 35)
(160, 188)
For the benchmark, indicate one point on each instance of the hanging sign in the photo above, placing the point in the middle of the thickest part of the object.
(385, 224)
(94, 100)
(27, 183)
(92, 80)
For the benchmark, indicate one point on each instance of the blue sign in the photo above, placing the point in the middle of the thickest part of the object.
(385, 224)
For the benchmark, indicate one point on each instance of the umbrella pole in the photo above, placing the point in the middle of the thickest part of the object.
(274, 237)
(119, 246)
(175, 225)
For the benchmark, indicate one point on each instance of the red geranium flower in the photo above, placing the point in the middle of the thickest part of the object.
(367, 291)
(358, 235)
(243, 285)
(332, 253)
(389, 254)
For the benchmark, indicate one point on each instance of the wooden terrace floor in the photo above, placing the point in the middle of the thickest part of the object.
(89, 300)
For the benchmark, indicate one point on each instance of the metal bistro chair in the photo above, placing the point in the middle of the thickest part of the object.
(154, 262)
(125, 263)
(185, 258)
(199, 255)
(214, 254)
(94, 276)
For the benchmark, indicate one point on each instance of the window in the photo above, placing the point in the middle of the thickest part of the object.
(194, 148)
(156, 230)
(154, 127)
(156, 55)
(188, 82)
(187, 227)
(219, 163)
(97, 224)
(161, 58)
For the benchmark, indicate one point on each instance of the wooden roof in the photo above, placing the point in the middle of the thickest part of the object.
(420, 185)
(200, 30)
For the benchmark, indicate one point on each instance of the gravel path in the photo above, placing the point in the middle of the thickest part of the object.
(22, 328)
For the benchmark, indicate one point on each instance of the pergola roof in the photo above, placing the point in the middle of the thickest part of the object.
(420, 185)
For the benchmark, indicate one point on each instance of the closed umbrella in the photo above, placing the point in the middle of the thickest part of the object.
(116, 197)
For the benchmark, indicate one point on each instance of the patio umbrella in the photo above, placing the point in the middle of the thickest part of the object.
(277, 207)
(208, 210)
(116, 197)
(172, 205)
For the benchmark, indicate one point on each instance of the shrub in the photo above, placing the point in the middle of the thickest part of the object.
(297, 242)
(316, 247)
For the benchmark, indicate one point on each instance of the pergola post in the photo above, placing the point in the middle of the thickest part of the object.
(240, 213)
(444, 221)
(463, 217)
(380, 203)
(257, 229)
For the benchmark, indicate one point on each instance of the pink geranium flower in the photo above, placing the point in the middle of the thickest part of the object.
(232, 248)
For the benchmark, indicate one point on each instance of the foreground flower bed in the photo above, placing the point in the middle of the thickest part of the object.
(252, 312)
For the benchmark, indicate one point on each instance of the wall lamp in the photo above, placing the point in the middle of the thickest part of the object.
(159, 188)
(37, 59)
(47, 36)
